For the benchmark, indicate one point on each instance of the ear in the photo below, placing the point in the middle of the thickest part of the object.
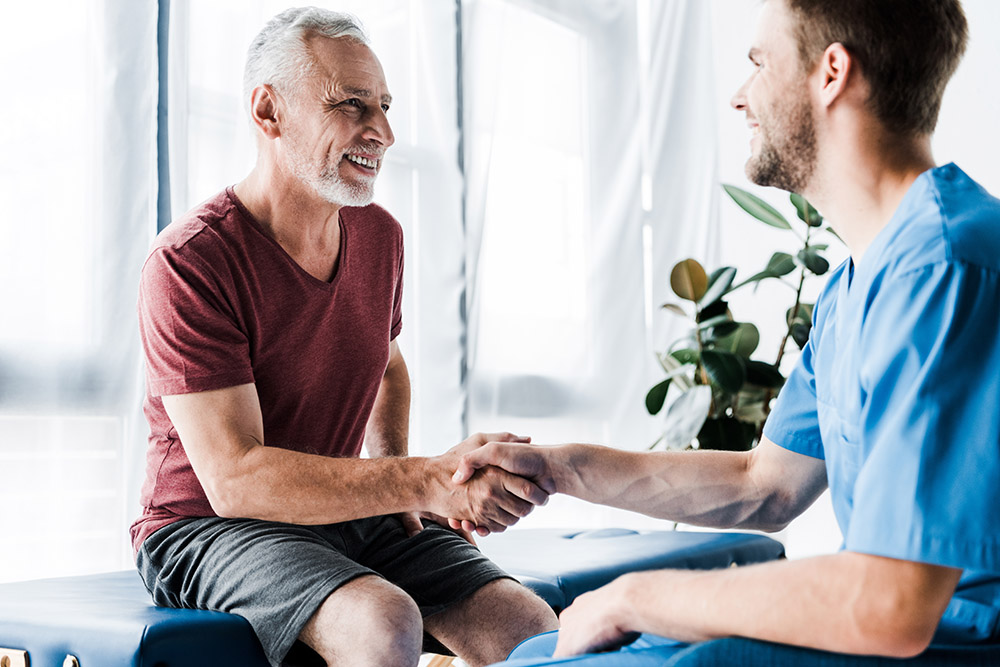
(264, 111)
(835, 70)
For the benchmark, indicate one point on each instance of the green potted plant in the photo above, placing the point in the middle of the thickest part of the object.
(722, 394)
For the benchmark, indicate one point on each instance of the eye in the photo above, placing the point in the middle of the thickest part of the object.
(385, 108)
(355, 102)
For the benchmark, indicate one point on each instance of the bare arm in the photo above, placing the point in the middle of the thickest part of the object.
(848, 603)
(762, 489)
(388, 430)
(223, 435)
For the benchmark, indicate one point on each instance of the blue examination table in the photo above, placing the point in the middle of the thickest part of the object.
(108, 620)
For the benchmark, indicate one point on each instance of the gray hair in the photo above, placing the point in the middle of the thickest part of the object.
(278, 55)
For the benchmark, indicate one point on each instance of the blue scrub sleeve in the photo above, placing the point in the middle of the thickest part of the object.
(929, 487)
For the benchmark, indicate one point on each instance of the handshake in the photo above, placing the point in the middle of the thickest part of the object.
(486, 483)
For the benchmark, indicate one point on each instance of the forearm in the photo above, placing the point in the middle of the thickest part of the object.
(848, 603)
(274, 484)
(700, 487)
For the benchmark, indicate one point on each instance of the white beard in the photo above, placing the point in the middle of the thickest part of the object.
(327, 182)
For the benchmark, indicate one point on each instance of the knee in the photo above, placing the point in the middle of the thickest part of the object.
(370, 622)
(393, 615)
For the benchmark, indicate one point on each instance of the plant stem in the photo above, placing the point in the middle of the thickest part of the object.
(795, 313)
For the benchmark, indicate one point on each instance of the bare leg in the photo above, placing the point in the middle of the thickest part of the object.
(367, 621)
(485, 627)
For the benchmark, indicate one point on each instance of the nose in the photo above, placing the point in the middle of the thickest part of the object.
(739, 100)
(378, 129)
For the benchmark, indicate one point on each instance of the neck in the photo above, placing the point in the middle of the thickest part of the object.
(860, 186)
(289, 211)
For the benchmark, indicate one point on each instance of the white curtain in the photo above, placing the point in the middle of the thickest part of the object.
(211, 147)
(591, 169)
(77, 211)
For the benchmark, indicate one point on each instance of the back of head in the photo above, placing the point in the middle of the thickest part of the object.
(279, 55)
(907, 50)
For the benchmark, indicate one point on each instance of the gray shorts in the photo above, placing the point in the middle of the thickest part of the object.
(277, 575)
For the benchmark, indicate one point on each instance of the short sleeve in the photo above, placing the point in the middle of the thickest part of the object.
(397, 297)
(794, 423)
(929, 486)
(189, 331)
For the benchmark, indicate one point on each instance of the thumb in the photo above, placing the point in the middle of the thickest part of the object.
(469, 464)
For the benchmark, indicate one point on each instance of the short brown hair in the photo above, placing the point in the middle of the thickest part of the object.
(907, 50)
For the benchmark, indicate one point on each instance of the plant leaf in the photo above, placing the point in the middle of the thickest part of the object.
(805, 211)
(674, 308)
(686, 356)
(720, 330)
(743, 341)
(688, 280)
(800, 333)
(726, 433)
(780, 264)
(718, 284)
(813, 261)
(725, 369)
(756, 207)
(804, 314)
(656, 396)
(763, 374)
(686, 415)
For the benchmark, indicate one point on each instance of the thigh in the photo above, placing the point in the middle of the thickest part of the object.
(436, 567)
(274, 575)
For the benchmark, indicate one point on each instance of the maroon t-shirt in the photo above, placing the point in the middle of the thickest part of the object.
(222, 304)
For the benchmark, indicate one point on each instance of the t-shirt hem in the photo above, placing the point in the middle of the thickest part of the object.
(190, 385)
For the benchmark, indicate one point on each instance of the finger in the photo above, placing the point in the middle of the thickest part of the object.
(507, 437)
(524, 489)
(470, 527)
(411, 523)
(467, 536)
(455, 524)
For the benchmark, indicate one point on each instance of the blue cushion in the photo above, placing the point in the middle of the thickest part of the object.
(109, 620)
(562, 564)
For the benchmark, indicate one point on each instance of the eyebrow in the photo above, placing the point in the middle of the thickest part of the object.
(364, 92)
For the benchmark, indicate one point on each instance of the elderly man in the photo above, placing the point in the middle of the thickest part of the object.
(268, 316)
(892, 405)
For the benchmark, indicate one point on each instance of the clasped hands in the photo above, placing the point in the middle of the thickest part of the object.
(484, 490)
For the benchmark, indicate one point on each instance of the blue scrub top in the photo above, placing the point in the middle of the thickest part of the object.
(898, 390)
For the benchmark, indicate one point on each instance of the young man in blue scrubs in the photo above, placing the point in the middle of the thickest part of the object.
(894, 404)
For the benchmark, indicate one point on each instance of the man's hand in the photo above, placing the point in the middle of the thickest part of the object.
(489, 499)
(596, 621)
(514, 456)
(412, 524)
(524, 461)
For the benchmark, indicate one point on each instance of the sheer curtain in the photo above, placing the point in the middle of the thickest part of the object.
(77, 212)
(590, 170)
(420, 184)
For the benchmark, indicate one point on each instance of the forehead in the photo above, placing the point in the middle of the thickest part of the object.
(774, 37)
(346, 65)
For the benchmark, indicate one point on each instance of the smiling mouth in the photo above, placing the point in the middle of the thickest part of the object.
(362, 161)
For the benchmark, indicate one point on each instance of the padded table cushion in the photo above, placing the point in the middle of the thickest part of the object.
(559, 565)
(108, 620)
